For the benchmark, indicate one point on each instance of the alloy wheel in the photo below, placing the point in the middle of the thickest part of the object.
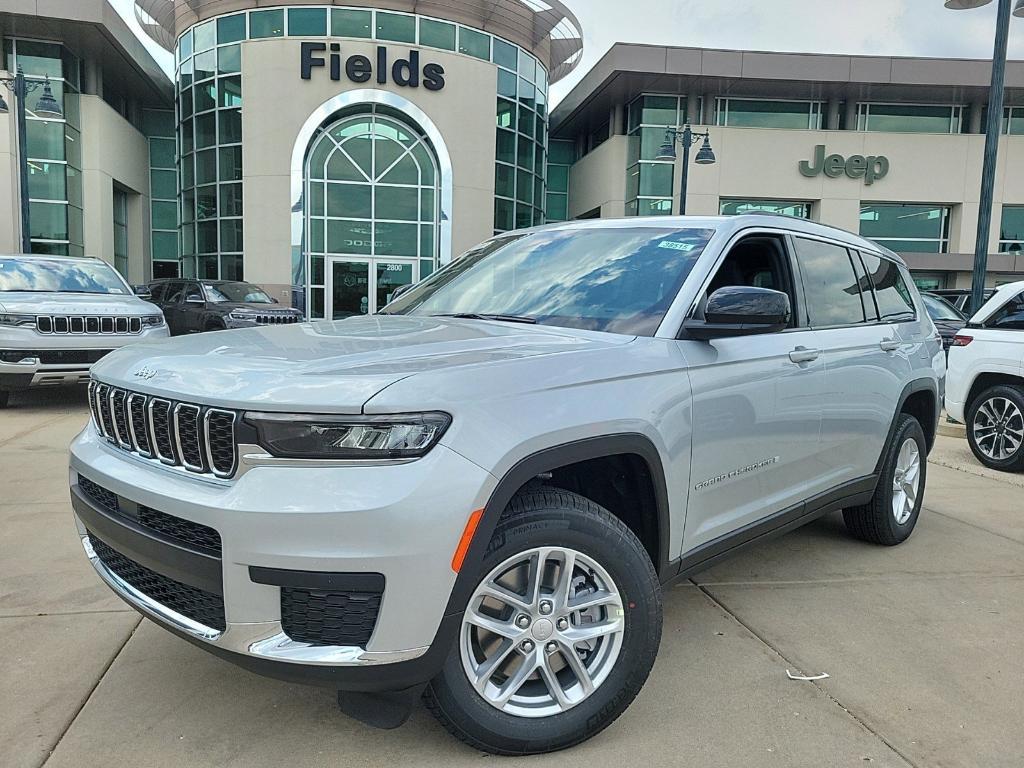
(906, 481)
(998, 428)
(542, 631)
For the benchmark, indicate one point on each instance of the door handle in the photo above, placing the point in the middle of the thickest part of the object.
(804, 355)
(889, 345)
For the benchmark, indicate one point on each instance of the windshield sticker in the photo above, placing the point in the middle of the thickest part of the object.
(676, 246)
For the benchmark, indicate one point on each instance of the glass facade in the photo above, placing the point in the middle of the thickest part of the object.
(909, 118)
(1011, 229)
(760, 113)
(649, 181)
(158, 126)
(560, 157)
(208, 76)
(731, 207)
(53, 148)
(906, 227)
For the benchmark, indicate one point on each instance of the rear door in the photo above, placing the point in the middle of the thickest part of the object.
(193, 308)
(866, 366)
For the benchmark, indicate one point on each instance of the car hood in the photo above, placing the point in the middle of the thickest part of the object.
(21, 302)
(329, 366)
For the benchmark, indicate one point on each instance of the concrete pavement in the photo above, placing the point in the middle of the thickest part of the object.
(922, 643)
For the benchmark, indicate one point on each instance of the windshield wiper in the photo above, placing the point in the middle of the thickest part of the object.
(485, 316)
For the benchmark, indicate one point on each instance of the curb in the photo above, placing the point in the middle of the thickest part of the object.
(949, 429)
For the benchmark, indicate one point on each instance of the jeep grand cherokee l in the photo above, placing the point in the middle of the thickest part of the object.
(477, 494)
(60, 314)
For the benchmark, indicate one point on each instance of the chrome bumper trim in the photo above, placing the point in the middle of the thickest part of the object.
(265, 640)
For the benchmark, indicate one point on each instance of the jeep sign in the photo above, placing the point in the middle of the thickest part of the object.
(868, 168)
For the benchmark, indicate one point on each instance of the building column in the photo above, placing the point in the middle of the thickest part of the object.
(693, 108)
(93, 78)
(851, 114)
(974, 121)
(708, 117)
(832, 116)
(617, 120)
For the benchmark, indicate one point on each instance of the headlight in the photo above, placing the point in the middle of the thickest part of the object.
(305, 436)
(153, 321)
(243, 314)
(17, 319)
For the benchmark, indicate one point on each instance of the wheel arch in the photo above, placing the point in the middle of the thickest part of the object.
(919, 398)
(987, 379)
(549, 461)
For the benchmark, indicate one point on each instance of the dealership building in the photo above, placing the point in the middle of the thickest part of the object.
(331, 152)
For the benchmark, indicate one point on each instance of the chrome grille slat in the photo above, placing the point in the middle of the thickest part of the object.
(219, 442)
(135, 406)
(160, 429)
(103, 405)
(119, 417)
(187, 436)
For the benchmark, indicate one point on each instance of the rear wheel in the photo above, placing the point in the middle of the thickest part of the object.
(995, 428)
(889, 518)
(559, 635)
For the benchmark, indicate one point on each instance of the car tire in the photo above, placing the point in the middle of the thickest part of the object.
(995, 420)
(889, 518)
(553, 522)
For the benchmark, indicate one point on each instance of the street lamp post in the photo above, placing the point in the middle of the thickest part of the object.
(47, 107)
(686, 137)
(993, 127)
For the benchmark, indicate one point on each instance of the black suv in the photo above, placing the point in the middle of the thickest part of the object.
(194, 306)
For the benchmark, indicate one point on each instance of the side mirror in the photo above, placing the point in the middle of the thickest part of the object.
(143, 292)
(740, 310)
(274, 299)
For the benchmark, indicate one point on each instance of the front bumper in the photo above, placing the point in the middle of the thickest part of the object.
(310, 526)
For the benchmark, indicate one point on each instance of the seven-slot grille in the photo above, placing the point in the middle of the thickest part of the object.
(198, 438)
(272, 319)
(80, 324)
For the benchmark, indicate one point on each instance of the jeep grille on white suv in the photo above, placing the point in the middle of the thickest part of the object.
(197, 438)
(79, 324)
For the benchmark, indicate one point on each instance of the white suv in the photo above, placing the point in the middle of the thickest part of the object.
(985, 386)
(61, 314)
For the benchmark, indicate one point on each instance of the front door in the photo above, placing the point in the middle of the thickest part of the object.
(364, 286)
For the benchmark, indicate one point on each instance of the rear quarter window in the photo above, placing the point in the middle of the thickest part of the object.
(891, 292)
(830, 283)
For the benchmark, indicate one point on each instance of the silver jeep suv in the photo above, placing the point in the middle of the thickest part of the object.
(476, 495)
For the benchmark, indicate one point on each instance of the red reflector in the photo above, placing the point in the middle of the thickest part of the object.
(961, 340)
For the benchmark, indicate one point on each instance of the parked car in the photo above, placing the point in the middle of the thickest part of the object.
(194, 306)
(985, 389)
(947, 318)
(59, 315)
(960, 298)
(479, 493)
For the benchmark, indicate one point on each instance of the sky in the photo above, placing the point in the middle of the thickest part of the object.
(888, 27)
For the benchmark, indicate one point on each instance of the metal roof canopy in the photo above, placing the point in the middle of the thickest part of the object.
(545, 27)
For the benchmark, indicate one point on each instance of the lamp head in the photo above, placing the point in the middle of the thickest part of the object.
(705, 155)
(47, 106)
(965, 5)
(1018, 9)
(667, 150)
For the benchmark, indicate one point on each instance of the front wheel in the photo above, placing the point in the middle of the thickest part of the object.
(560, 633)
(995, 428)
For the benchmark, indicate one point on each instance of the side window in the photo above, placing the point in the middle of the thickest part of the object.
(757, 261)
(867, 295)
(193, 292)
(157, 292)
(174, 291)
(891, 292)
(1010, 316)
(830, 283)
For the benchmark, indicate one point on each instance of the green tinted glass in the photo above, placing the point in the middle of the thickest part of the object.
(165, 215)
(161, 153)
(46, 181)
(165, 246)
(231, 29)
(351, 23)
(473, 43)
(163, 184)
(48, 221)
(396, 27)
(266, 23)
(307, 21)
(44, 140)
(437, 34)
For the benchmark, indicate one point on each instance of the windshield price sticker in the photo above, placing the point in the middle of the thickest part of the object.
(676, 246)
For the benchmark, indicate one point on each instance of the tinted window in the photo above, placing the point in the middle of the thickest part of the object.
(867, 298)
(1011, 316)
(238, 292)
(891, 292)
(174, 291)
(940, 309)
(833, 293)
(616, 279)
(192, 291)
(156, 290)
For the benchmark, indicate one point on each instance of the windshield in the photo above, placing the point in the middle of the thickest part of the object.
(237, 293)
(616, 279)
(940, 309)
(67, 275)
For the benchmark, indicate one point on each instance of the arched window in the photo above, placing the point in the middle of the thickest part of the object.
(371, 210)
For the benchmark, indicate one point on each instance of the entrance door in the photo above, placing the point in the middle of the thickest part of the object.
(363, 286)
